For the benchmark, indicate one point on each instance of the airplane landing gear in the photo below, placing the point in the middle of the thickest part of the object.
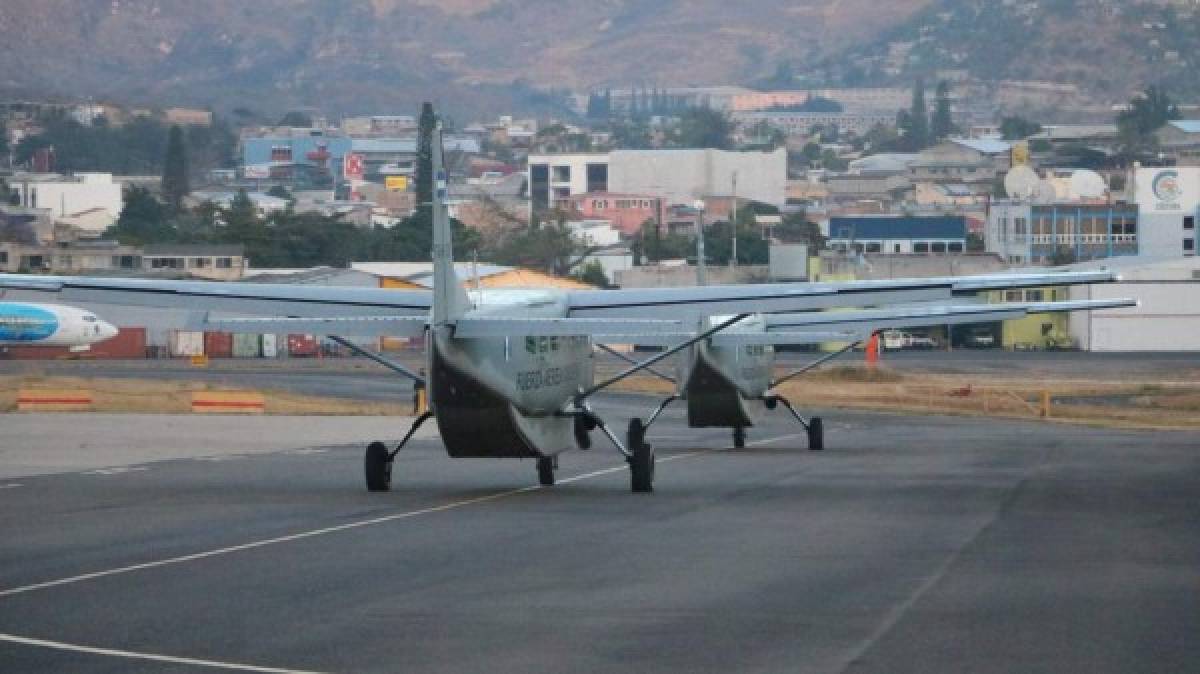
(815, 426)
(378, 467)
(739, 437)
(641, 458)
(545, 470)
(584, 425)
(377, 462)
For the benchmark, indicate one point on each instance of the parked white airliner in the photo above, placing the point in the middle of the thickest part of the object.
(25, 323)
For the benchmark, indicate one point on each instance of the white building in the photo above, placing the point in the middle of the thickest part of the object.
(69, 195)
(1168, 200)
(1167, 318)
(678, 176)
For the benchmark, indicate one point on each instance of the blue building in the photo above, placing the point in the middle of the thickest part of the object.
(899, 234)
(1035, 234)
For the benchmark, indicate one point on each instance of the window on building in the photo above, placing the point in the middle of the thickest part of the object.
(281, 153)
(955, 247)
(938, 247)
(921, 247)
(896, 248)
(201, 262)
(224, 263)
(3, 257)
(1013, 296)
(1189, 244)
(1018, 225)
(1035, 295)
(874, 247)
(562, 174)
(597, 177)
(1189, 222)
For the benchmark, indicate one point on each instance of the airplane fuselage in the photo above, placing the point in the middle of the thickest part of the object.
(27, 323)
(719, 380)
(504, 396)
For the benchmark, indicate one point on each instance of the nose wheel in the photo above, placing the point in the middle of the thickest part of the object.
(739, 437)
(545, 471)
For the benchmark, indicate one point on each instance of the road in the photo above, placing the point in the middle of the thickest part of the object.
(912, 544)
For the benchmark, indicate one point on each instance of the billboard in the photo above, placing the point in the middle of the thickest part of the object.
(1020, 153)
(257, 171)
(1168, 190)
(353, 167)
(396, 183)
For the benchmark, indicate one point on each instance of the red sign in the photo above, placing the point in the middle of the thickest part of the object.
(353, 167)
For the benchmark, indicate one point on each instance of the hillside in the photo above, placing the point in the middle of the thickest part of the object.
(1108, 48)
(379, 55)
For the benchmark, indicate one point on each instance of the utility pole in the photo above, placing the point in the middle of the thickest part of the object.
(701, 269)
(733, 224)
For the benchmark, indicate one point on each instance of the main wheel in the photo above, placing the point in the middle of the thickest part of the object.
(739, 437)
(545, 468)
(641, 463)
(377, 465)
(582, 437)
(816, 434)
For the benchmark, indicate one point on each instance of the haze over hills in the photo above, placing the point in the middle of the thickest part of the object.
(384, 54)
(494, 55)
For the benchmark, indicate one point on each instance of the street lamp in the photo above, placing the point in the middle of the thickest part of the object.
(701, 270)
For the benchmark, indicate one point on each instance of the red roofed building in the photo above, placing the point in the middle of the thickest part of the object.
(626, 212)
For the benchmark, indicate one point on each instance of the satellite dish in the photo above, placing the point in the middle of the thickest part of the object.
(1087, 184)
(1021, 183)
(1045, 194)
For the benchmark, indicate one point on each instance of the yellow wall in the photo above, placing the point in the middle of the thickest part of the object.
(1029, 331)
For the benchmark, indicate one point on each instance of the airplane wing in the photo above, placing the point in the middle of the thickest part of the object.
(693, 302)
(870, 320)
(262, 299)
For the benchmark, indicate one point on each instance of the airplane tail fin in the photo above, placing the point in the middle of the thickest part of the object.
(450, 299)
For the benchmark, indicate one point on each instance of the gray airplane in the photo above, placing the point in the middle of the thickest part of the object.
(720, 378)
(510, 372)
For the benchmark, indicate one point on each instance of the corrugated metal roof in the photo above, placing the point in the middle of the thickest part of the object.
(901, 227)
(985, 145)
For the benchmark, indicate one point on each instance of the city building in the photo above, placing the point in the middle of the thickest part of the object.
(626, 212)
(1024, 233)
(1180, 138)
(214, 262)
(68, 195)
(969, 161)
(1167, 317)
(1168, 202)
(801, 124)
(898, 234)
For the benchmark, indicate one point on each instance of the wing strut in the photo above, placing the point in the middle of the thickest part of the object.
(645, 364)
(371, 355)
(815, 364)
(611, 351)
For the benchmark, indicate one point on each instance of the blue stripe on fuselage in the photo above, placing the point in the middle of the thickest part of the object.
(25, 323)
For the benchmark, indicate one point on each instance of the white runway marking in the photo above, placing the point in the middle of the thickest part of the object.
(11, 485)
(115, 653)
(324, 531)
(118, 470)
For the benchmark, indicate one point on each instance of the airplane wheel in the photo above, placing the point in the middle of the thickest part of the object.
(582, 439)
(816, 434)
(739, 437)
(378, 467)
(545, 468)
(771, 403)
(641, 464)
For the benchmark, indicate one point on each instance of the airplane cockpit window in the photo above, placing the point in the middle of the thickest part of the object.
(88, 318)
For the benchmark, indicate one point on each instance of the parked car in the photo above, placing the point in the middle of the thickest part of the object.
(980, 340)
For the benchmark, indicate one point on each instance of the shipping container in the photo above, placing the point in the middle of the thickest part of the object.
(302, 346)
(245, 345)
(185, 343)
(218, 344)
(128, 343)
(270, 346)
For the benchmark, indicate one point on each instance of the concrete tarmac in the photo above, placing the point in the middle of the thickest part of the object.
(912, 544)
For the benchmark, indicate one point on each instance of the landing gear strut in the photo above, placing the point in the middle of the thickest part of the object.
(377, 462)
(739, 437)
(641, 458)
(814, 426)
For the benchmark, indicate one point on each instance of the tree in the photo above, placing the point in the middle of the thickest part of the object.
(425, 128)
(797, 228)
(280, 192)
(941, 125)
(296, 119)
(143, 219)
(3, 138)
(592, 273)
(175, 172)
(918, 119)
(1146, 113)
(751, 247)
(1015, 127)
(704, 128)
(656, 247)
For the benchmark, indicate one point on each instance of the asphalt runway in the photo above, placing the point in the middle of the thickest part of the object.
(912, 544)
